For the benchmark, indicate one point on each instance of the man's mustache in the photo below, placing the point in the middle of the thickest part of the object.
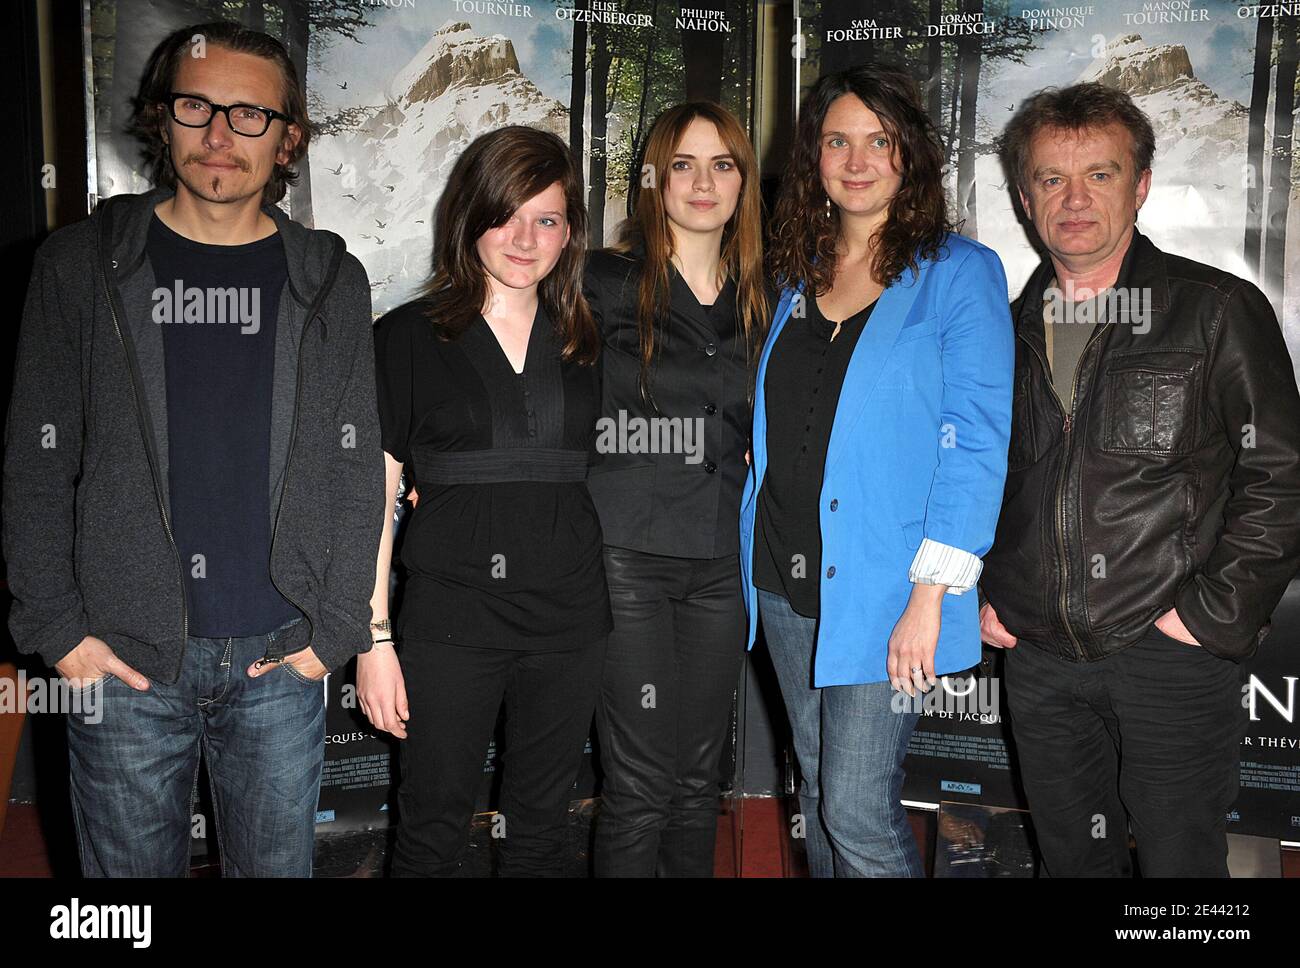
(240, 163)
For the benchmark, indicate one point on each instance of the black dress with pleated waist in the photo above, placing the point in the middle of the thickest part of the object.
(503, 549)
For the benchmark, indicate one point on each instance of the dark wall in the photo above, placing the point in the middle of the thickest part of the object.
(41, 757)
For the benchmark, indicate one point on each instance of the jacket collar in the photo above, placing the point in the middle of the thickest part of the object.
(1144, 269)
(127, 218)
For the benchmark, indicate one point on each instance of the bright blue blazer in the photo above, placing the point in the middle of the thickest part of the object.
(918, 449)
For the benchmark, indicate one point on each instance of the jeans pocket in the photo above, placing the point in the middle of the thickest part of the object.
(288, 667)
(85, 687)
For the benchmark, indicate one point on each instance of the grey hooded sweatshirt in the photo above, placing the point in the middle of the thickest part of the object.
(87, 534)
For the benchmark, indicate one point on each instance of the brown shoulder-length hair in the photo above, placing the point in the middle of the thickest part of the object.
(150, 105)
(497, 173)
(804, 231)
(741, 256)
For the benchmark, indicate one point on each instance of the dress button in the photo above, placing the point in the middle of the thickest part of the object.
(710, 467)
(835, 504)
(709, 349)
(710, 409)
(532, 432)
(830, 572)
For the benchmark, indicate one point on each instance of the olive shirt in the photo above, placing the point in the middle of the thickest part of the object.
(1067, 336)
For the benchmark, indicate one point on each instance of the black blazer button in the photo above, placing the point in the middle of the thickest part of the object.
(710, 467)
(710, 409)
(709, 349)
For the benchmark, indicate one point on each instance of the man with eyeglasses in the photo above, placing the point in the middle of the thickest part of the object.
(193, 481)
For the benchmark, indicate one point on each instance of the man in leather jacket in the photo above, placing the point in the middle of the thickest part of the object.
(1151, 518)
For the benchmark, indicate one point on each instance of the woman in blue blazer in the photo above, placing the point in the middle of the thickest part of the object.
(882, 413)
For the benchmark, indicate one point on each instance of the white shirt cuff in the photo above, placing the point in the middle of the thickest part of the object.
(941, 564)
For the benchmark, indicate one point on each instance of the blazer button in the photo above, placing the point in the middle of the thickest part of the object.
(709, 349)
(835, 504)
(710, 409)
(710, 467)
(830, 572)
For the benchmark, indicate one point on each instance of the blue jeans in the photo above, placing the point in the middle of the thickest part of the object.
(133, 771)
(850, 745)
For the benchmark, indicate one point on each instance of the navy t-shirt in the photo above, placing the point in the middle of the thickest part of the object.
(219, 355)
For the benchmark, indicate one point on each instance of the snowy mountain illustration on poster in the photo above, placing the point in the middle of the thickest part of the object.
(377, 175)
(1200, 151)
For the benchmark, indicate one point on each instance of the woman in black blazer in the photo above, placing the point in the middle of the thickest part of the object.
(681, 306)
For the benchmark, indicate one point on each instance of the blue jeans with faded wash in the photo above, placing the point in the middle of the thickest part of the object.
(134, 760)
(850, 745)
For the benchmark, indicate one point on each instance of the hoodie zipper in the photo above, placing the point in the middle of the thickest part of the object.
(1067, 425)
(312, 312)
(284, 487)
(147, 434)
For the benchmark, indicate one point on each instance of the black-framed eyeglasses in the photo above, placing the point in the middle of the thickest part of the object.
(250, 120)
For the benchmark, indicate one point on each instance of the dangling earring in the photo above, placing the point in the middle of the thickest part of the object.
(828, 206)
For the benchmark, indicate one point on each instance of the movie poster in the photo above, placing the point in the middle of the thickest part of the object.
(400, 103)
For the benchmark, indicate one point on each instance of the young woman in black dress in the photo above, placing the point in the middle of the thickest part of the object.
(682, 310)
(488, 400)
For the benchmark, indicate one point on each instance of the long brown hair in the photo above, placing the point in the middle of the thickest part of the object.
(804, 232)
(742, 242)
(151, 110)
(496, 174)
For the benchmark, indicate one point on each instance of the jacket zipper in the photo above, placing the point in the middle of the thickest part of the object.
(312, 311)
(284, 487)
(153, 469)
(147, 436)
(1067, 425)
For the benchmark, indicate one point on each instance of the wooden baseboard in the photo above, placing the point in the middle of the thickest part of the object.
(11, 732)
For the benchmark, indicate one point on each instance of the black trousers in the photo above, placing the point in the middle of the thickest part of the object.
(1149, 736)
(454, 694)
(671, 670)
